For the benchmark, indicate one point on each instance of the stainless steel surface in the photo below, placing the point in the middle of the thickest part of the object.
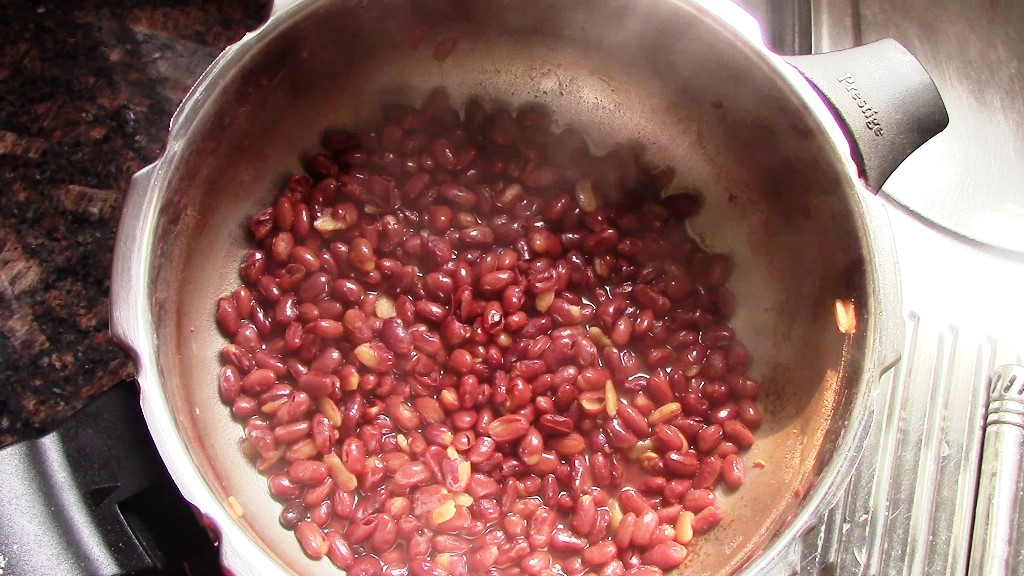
(969, 179)
(176, 254)
(785, 24)
(910, 510)
(996, 549)
(914, 516)
(835, 25)
(910, 504)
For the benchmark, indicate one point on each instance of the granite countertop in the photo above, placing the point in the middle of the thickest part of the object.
(88, 89)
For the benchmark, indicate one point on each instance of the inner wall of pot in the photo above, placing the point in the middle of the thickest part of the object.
(656, 74)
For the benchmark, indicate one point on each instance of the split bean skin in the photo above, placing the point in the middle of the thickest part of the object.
(464, 344)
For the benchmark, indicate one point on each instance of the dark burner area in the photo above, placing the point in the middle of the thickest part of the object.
(88, 89)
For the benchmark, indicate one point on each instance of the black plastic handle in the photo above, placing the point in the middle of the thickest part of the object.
(884, 99)
(93, 498)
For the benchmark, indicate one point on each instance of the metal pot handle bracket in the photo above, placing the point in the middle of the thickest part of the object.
(93, 498)
(883, 98)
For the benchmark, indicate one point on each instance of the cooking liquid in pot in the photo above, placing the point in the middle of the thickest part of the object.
(467, 345)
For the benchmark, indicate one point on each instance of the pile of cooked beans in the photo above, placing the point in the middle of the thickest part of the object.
(466, 344)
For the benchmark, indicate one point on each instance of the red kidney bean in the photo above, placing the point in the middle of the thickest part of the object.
(281, 242)
(709, 437)
(366, 566)
(301, 222)
(244, 407)
(613, 568)
(508, 428)
(536, 562)
(244, 301)
(682, 464)
(634, 419)
(230, 383)
(643, 532)
(348, 292)
(630, 501)
(308, 472)
(531, 447)
(568, 445)
(412, 474)
(584, 516)
(282, 488)
(385, 535)
(622, 331)
(292, 514)
(448, 543)
(512, 551)
(724, 412)
(486, 509)
(253, 266)
(652, 485)
(228, 317)
(548, 463)
(714, 391)
(600, 469)
(361, 529)
(315, 495)
(294, 407)
(666, 555)
(419, 544)
(555, 425)
(269, 289)
(374, 475)
(619, 437)
(698, 499)
(575, 566)
(600, 553)
(479, 235)
(305, 448)
(749, 413)
(737, 433)
(565, 541)
(258, 380)
(669, 514)
(481, 558)
(311, 537)
(725, 449)
(732, 471)
(248, 338)
(265, 359)
(542, 526)
(581, 480)
(667, 438)
(515, 525)
(708, 473)
(623, 535)
(601, 526)
(707, 519)
(430, 311)
(690, 426)
(292, 432)
(338, 550)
